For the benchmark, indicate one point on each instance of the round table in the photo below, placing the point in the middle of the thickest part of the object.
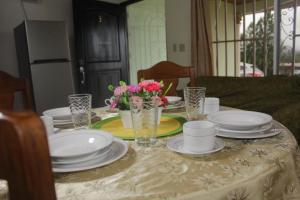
(244, 170)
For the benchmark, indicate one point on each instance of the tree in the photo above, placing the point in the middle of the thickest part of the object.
(259, 34)
(285, 52)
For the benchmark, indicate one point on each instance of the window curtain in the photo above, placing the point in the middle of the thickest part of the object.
(202, 57)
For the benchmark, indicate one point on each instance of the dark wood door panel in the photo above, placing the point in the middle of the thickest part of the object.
(96, 66)
(102, 37)
(99, 81)
(101, 47)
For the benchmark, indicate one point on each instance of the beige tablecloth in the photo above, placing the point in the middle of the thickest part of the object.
(265, 169)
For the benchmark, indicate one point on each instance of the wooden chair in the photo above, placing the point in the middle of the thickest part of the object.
(169, 72)
(24, 158)
(9, 85)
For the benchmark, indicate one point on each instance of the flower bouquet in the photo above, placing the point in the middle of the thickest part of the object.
(144, 91)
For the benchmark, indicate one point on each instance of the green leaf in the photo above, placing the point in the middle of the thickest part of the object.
(122, 83)
(167, 90)
(111, 87)
(161, 83)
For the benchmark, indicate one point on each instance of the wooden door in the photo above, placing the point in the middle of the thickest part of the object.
(101, 47)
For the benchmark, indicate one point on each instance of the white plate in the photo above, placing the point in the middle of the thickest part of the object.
(63, 113)
(269, 133)
(176, 144)
(68, 121)
(118, 149)
(62, 122)
(239, 120)
(177, 105)
(55, 130)
(78, 143)
(255, 130)
(99, 156)
(173, 99)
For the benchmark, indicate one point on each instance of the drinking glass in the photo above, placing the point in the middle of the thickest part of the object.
(144, 114)
(80, 106)
(194, 98)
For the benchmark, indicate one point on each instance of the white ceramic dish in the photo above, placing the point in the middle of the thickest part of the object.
(78, 143)
(118, 149)
(97, 156)
(199, 136)
(255, 130)
(269, 133)
(68, 121)
(62, 123)
(211, 105)
(173, 99)
(55, 130)
(176, 144)
(63, 113)
(177, 105)
(239, 120)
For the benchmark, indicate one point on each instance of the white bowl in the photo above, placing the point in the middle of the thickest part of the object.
(173, 99)
(211, 105)
(74, 145)
(198, 136)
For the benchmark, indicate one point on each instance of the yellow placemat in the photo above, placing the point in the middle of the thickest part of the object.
(169, 125)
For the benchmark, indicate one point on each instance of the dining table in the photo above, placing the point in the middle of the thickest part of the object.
(245, 169)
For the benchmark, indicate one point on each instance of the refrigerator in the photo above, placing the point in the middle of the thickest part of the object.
(44, 59)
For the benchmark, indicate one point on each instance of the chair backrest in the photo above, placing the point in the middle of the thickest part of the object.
(24, 157)
(9, 85)
(169, 72)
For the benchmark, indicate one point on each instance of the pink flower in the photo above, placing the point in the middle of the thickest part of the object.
(113, 104)
(157, 100)
(145, 83)
(150, 86)
(137, 101)
(133, 88)
(120, 90)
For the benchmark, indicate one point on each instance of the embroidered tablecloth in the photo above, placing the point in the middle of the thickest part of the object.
(266, 169)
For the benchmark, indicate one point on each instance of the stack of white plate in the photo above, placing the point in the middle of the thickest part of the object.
(174, 102)
(61, 116)
(243, 124)
(173, 99)
(84, 149)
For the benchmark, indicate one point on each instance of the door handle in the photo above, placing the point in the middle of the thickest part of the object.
(81, 69)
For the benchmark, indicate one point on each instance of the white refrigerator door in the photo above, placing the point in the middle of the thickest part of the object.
(47, 40)
(52, 83)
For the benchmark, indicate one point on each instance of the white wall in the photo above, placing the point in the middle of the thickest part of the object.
(178, 29)
(178, 22)
(11, 15)
(146, 35)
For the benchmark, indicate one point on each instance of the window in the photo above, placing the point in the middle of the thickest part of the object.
(255, 37)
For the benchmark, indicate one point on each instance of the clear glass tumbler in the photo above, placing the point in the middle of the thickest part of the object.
(80, 106)
(144, 120)
(194, 98)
